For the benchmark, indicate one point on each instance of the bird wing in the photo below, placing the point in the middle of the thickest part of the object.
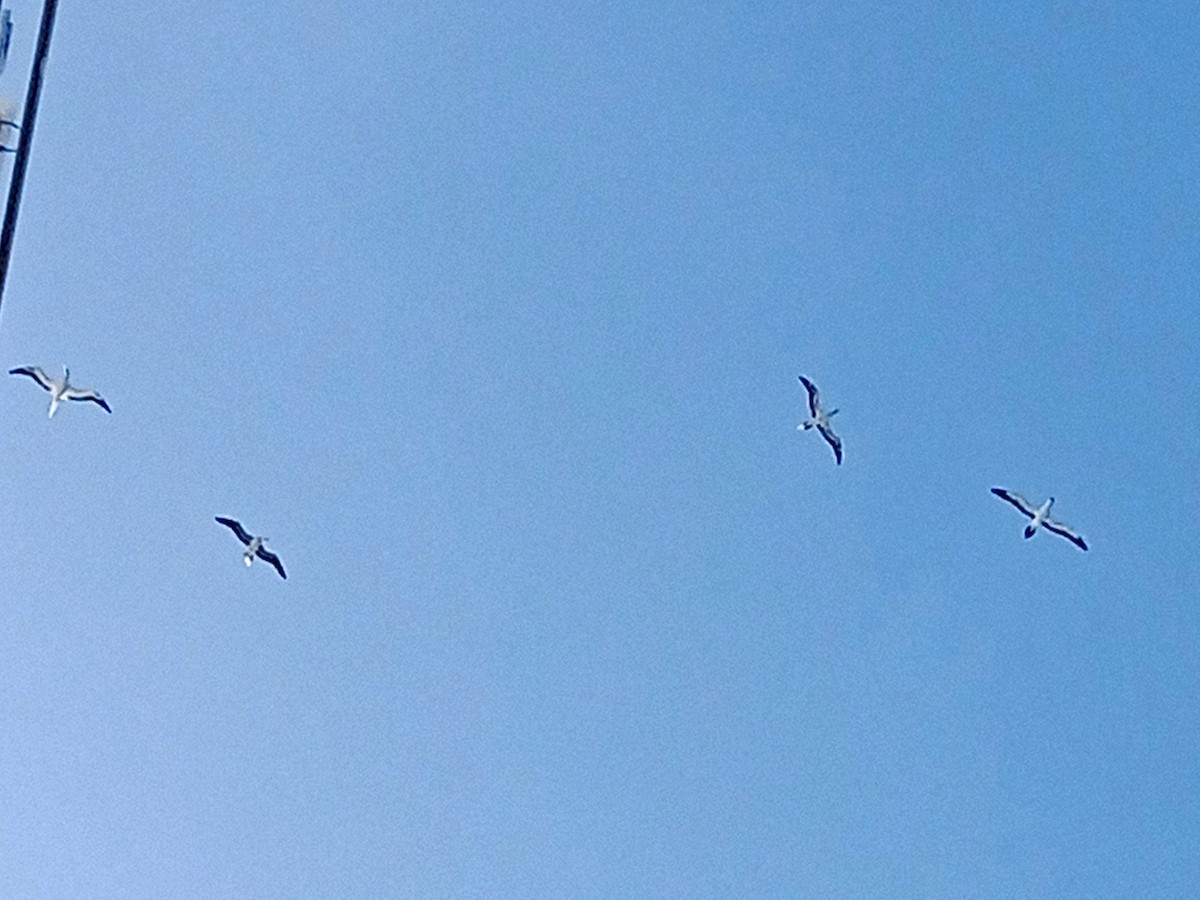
(36, 374)
(1016, 500)
(834, 441)
(1065, 531)
(76, 394)
(814, 396)
(236, 527)
(267, 556)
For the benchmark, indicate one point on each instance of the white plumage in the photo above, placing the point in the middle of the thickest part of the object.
(254, 545)
(60, 388)
(820, 419)
(1040, 516)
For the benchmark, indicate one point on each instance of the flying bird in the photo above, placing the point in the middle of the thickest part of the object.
(59, 388)
(1041, 517)
(254, 545)
(820, 419)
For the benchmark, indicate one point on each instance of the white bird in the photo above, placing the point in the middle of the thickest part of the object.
(254, 545)
(59, 388)
(1041, 517)
(820, 419)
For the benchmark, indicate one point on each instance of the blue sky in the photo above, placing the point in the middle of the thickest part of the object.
(490, 316)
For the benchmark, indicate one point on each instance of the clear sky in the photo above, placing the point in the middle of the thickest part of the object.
(489, 315)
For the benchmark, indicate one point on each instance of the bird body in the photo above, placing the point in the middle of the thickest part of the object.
(60, 388)
(1039, 516)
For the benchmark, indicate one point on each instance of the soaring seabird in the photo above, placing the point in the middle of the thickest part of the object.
(820, 418)
(254, 545)
(1040, 516)
(59, 388)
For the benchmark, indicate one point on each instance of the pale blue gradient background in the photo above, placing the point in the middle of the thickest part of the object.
(490, 316)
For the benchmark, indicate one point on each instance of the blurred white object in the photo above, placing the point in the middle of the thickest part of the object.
(8, 124)
(5, 36)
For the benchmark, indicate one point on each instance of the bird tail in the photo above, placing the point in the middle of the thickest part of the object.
(1029, 530)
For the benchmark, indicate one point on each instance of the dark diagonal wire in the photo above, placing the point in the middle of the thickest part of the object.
(22, 161)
